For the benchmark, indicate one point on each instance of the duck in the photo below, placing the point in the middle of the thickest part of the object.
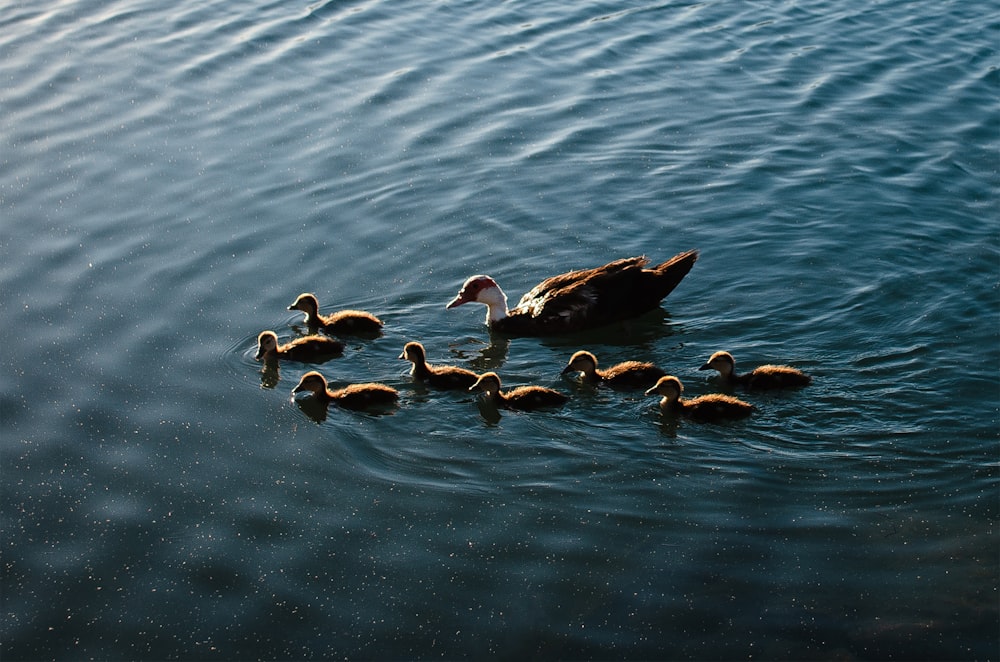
(353, 396)
(308, 349)
(629, 374)
(444, 377)
(705, 408)
(344, 322)
(763, 377)
(522, 397)
(579, 300)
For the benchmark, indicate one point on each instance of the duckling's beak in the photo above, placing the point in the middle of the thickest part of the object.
(402, 356)
(292, 307)
(568, 369)
(707, 366)
(260, 353)
(651, 391)
(298, 389)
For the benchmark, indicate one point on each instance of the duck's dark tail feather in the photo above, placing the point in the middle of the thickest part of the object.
(672, 272)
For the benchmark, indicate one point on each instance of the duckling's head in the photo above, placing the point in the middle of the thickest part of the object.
(413, 351)
(267, 342)
(482, 289)
(488, 383)
(721, 361)
(669, 387)
(582, 361)
(307, 303)
(313, 382)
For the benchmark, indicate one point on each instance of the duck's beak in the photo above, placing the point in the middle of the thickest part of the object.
(459, 299)
(568, 369)
(651, 391)
(402, 356)
(707, 366)
(298, 389)
(260, 353)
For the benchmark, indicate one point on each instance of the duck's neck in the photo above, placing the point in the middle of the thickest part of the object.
(312, 316)
(496, 304)
(420, 369)
(671, 404)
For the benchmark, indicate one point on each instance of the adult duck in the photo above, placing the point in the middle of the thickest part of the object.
(444, 377)
(353, 396)
(709, 408)
(308, 349)
(762, 377)
(629, 374)
(522, 397)
(579, 300)
(344, 322)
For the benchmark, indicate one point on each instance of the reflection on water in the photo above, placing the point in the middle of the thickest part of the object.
(270, 374)
(482, 356)
(313, 407)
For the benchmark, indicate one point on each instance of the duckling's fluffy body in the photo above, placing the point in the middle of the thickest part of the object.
(353, 396)
(344, 322)
(763, 377)
(522, 397)
(629, 374)
(706, 408)
(444, 377)
(308, 349)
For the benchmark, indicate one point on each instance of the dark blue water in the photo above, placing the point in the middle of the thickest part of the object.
(171, 177)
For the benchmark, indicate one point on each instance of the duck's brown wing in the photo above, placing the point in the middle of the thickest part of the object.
(581, 299)
(564, 284)
(594, 297)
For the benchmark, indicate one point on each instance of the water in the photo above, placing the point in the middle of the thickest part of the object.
(173, 176)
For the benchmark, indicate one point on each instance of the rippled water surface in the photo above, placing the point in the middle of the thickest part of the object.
(172, 175)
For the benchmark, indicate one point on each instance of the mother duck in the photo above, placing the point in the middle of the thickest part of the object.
(579, 300)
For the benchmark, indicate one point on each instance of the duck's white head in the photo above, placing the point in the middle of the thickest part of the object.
(313, 382)
(483, 289)
(669, 387)
(721, 361)
(267, 341)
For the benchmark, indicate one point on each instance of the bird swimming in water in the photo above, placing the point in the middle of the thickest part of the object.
(629, 374)
(522, 397)
(353, 396)
(444, 377)
(763, 377)
(308, 349)
(713, 407)
(579, 300)
(344, 322)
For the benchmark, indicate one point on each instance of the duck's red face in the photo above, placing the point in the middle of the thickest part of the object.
(471, 289)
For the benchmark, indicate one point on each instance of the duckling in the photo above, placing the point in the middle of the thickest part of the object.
(630, 374)
(522, 397)
(704, 408)
(344, 322)
(308, 349)
(353, 396)
(764, 377)
(446, 377)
